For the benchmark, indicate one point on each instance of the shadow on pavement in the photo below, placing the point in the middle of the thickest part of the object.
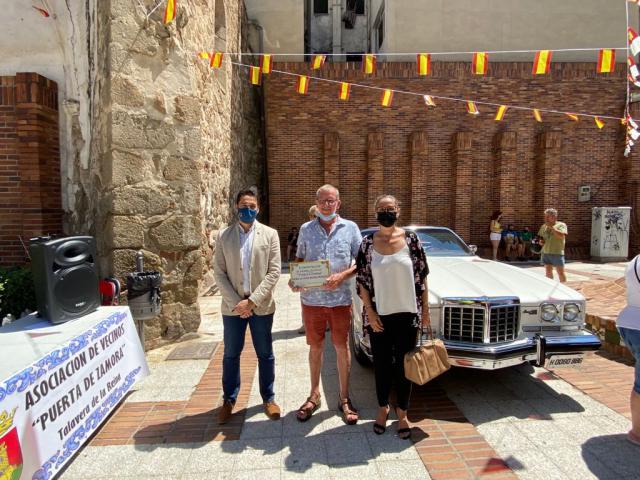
(612, 456)
(485, 396)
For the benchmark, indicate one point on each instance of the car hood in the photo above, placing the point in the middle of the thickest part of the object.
(476, 277)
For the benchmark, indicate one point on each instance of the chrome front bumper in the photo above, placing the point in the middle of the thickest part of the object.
(536, 348)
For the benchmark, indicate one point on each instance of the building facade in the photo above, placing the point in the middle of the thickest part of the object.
(446, 166)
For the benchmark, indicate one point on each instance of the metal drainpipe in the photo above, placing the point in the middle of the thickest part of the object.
(265, 181)
(336, 10)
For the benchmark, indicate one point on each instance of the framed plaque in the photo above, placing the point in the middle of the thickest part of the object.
(309, 274)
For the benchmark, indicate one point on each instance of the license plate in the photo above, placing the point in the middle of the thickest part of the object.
(564, 361)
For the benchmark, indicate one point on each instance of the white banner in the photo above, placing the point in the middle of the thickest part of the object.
(49, 409)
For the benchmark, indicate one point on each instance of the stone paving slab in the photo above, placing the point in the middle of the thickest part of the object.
(557, 433)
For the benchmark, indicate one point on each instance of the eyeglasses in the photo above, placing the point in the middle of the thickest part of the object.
(330, 202)
(386, 210)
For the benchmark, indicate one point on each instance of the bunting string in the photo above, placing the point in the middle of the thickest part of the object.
(429, 97)
(413, 54)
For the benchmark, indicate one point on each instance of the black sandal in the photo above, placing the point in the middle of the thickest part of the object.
(404, 433)
(380, 429)
(305, 414)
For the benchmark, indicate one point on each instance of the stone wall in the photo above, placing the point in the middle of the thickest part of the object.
(183, 139)
(448, 167)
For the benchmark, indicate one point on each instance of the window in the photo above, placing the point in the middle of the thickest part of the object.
(354, 56)
(378, 28)
(359, 7)
(320, 6)
(380, 32)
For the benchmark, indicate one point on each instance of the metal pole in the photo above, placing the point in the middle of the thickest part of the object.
(140, 269)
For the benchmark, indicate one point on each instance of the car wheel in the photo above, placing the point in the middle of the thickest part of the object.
(355, 338)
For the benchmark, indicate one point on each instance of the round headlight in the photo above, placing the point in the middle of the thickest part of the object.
(571, 312)
(549, 313)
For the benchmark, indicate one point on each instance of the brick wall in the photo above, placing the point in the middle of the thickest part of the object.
(30, 202)
(445, 166)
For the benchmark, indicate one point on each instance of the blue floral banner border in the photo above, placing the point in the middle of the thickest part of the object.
(73, 443)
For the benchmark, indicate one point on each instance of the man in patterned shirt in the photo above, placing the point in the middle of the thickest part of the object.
(328, 237)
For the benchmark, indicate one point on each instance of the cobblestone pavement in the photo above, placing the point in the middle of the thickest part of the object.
(521, 422)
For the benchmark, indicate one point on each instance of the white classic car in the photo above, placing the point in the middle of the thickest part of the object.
(492, 315)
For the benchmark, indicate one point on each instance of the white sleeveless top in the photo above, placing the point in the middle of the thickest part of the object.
(630, 315)
(393, 282)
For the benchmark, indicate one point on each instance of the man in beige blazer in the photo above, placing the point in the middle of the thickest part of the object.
(247, 268)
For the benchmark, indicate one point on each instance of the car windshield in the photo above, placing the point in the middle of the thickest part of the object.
(442, 243)
(438, 242)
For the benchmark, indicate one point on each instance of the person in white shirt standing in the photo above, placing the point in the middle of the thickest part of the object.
(391, 272)
(628, 324)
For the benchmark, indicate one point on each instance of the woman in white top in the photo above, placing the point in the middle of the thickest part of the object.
(495, 232)
(629, 326)
(392, 282)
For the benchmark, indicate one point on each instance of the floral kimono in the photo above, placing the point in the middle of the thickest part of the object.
(364, 277)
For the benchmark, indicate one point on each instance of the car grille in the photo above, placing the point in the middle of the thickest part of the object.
(503, 323)
(464, 324)
(468, 323)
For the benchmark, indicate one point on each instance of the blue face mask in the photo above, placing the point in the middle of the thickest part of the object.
(247, 215)
(326, 218)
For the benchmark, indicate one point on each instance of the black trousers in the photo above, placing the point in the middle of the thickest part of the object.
(388, 348)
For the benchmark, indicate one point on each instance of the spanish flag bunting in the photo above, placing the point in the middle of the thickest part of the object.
(345, 90)
(542, 62)
(387, 97)
(599, 122)
(170, 12)
(424, 64)
(216, 60)
(480, 63)
(303, 85)
(369, 64)
(634, 41)
(255, 75)
(573, 116)
(536, 115)
(266, 63)
(204, 55)
(428, 101)
(633, 68)
(502, 109)
(606, 60)
(318, 61)
(472, 108)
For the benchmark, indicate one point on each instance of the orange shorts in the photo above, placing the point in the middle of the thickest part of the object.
(315, 322)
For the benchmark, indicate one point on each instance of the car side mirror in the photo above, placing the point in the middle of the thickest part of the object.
(473, 248)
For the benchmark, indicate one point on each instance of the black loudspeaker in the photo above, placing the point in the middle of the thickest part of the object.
(65, 277)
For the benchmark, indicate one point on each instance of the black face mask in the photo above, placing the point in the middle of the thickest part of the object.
(387, 219)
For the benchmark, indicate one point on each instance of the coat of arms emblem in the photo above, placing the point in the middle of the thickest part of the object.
(10, 453)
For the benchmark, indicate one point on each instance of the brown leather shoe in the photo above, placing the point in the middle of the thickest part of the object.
(225, 411)
(272, 410)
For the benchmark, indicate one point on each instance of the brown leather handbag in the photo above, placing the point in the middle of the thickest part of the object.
(426, 361)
